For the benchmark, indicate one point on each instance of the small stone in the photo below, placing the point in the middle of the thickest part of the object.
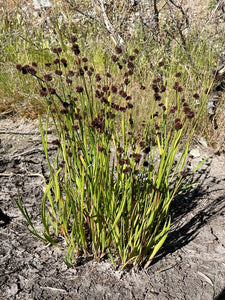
(38, 4)
(12, 290)
(203, 142)
(195, 153)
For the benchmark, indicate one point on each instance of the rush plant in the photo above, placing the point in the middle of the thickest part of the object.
(110, 188)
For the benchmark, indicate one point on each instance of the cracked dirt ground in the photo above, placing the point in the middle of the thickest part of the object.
(191, 264)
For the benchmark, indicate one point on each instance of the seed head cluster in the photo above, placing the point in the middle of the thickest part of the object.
(99, 123)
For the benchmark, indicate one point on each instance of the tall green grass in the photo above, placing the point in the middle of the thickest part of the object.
(111, 186)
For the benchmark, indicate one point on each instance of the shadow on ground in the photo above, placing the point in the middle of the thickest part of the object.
(184, 229)
(221, 296)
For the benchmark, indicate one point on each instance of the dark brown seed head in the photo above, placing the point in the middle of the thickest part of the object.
(51, 91)
(217, 153)
(131, 57)
(43, 92)
(156, 114)
(179, 89)
(19, 67)
(155, 88)
(56, 61)
(69, 153)
(115, 106)
(130, 65)
(142, 144)
(129, 105)
(81, 72)
(47, 77)
(178, 75)
(196, 96)
(75, 127)
(63, 111)
(105, 88)
(70, 73)
(104, 100)
(122, 161)
(157, 97)
(56, 142)
(114, 89)
(178, 125)
(99, 124)
(69, 81)
(127, 170)
(58, 72)
(190, 115)
(25, 69)
(162, 88)
(64, 62)
(111, 115)
(48, 64)
(120, 150)
(186, 109)
(114, 58)
(123, 109)
(79, 89)
(98, 94)
(89, 73)
(146, 150)
(184, 173)
(118, 50)
(177, 120)
(161, 64)
(98, 77)
(123, 94)
(101, 148)
(137, 157)
(145, 164)
(75, 48)
(32, 71)
(73, 38)
(62, 164)
(57, 50)
(77, 116)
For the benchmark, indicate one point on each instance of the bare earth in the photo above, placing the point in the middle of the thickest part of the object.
(191, 264)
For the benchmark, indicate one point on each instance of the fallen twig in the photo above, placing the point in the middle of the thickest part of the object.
(22, 132)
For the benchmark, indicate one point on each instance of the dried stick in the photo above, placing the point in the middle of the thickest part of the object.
(22, 132)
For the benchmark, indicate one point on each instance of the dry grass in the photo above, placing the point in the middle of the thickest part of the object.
(37, 29)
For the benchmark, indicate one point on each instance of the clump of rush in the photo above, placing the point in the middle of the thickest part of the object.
(110, 187)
